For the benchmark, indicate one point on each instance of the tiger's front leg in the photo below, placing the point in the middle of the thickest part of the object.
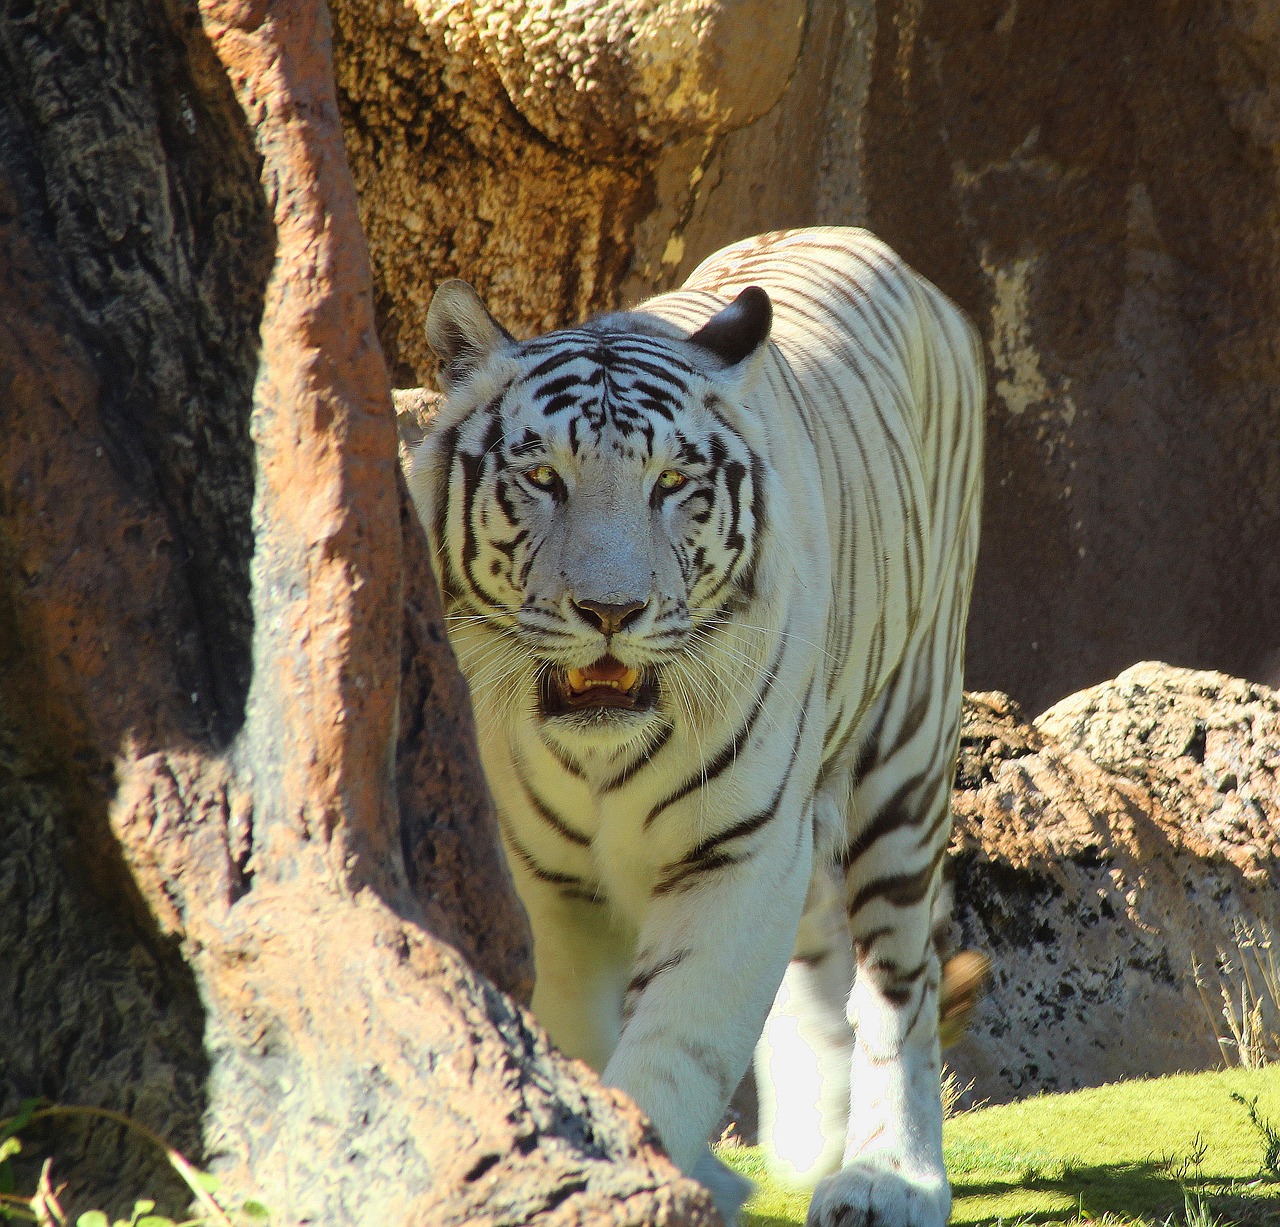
(712, 948)
(581, 966)
(893, 1173)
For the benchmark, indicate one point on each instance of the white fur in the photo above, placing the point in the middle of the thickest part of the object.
(862, 425)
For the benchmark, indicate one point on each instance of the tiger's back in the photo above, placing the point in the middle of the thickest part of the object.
(879, 393)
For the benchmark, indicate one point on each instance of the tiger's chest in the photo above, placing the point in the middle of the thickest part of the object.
(613, 825)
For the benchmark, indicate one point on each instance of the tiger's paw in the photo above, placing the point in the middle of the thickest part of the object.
(728, 1190)
(869, 1193)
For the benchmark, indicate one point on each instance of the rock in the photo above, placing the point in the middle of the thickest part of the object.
(1099, 851)
(518, 143)
(415, 407)
(619, 77)
(1206, 745)
(251, 892)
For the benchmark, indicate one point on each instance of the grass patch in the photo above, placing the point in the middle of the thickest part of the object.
(1163, 1151)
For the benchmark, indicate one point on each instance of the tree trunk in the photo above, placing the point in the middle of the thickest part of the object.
(248, 876)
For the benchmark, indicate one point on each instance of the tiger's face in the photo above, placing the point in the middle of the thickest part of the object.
(594, 498)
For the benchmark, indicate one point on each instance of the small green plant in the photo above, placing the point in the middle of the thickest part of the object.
(1187, 1169)
(1197, 1212)
(1269, 1134)
(44, 1208)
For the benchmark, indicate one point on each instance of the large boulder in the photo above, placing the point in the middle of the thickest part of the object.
(1102, 852)
(521, 143)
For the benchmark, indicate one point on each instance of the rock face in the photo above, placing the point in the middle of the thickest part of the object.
(1098, 851)
(1094, 185)
(517, 144)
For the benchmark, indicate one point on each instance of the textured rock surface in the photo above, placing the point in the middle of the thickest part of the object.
(1098, 851)
(232, 901)
(1093, 184)
(514, 144)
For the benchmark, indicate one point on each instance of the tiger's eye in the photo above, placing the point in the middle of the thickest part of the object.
(671, 479)
(543, 476)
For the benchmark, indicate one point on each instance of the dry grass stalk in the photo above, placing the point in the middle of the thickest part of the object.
(1246, 1016)
(45, 1205)
(953, 1093)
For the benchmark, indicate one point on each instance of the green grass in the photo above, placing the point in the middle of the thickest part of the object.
(1124, 1154)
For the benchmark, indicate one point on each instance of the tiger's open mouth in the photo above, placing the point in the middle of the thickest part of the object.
(607, 684)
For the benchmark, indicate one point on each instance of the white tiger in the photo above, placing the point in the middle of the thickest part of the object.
(708, 582)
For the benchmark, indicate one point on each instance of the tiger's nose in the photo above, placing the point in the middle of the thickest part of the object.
(609, 618)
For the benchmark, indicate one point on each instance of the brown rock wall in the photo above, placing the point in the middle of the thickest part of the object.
(515, 144)
(1095, 184)
(454, 181)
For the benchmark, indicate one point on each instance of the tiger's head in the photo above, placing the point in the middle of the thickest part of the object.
(597, 498)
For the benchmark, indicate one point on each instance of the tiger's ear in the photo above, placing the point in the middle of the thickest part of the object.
(740, 330)
(461, 332)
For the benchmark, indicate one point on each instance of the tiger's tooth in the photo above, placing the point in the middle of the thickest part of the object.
(580, 680)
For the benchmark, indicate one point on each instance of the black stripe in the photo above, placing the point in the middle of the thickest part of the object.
(552, 819)
(862, 944)
(541, 873)
(580, 894)
(530, 557)
(679, 877)
(553, 387)
(642, 979)
(472, 465)
(557, 358)
(558, 404)
(529, 442)
(919, 1012)
(900, 984)
(709, 855)
(544, 811)
(571, 765)
(449, 451)
(892, 816)
(664, 366)
(760, 518)
(508, 548)
(730, 752)
(641, 760)
(901, 889)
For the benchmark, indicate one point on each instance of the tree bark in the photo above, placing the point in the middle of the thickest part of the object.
(248, 878)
